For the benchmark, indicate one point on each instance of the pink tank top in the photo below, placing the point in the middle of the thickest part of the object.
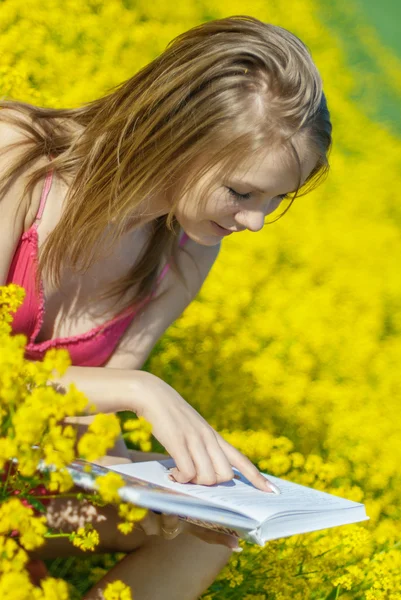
(90, 349)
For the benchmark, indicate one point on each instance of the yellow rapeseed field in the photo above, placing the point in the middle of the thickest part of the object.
(292, 349)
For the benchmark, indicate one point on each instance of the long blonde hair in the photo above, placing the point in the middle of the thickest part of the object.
(222, 90)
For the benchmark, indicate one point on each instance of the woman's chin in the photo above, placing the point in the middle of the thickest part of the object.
(204, 239)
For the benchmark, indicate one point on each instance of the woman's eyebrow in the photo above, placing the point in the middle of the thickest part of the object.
(249, 184)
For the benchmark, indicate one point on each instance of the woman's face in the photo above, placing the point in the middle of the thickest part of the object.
(243, 200)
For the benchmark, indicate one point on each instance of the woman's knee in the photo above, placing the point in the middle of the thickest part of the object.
(189, 548)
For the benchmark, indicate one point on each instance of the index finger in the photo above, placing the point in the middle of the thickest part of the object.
(247, 468)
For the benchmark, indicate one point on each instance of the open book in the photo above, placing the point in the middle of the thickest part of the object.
(235, 507)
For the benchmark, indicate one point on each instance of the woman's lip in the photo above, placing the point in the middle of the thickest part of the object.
(220, 230)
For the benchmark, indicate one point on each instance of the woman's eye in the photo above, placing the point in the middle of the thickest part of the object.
(282, 196)
(238, 195)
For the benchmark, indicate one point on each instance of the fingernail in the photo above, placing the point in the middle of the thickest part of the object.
(238, 549)
(273, 488)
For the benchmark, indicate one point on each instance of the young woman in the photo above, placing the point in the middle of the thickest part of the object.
(130, 198)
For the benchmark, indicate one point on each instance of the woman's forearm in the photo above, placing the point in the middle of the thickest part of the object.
(110, 390)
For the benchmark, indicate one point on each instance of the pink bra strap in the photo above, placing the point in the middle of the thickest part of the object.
(183, 239)
(45, 192)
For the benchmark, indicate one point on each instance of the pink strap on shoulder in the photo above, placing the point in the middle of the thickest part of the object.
(183, 239)
(45, 193)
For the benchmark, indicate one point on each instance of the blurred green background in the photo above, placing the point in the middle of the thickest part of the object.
(346, 19)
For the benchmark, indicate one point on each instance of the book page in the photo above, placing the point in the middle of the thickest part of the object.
(240, 495)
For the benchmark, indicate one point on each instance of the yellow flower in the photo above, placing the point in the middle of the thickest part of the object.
(52, 589)
(344, 581)
(125, 528)
(15, 516)
(57, 360)
(130, 513)
(16, 586)
(12, 556)
(105, 425)
(117, 591)
(28, 459)
(139, 433)
(108, 486)
(88, 447)
(100, 437)
(139, 423)
(29, 424)
(60, 481)
(86, 538)
(8, 450)
(58, 445)
(11, 298)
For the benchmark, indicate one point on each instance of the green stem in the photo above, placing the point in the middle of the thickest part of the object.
(326, 551)
(47, 496)
(7, 478)
(56, 535)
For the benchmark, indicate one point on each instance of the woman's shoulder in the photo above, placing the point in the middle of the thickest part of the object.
(14, 200)
(13, 207)
(10, 131)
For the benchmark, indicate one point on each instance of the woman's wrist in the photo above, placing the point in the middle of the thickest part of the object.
(141, 383)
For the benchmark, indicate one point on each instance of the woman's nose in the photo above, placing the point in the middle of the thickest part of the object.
(254, 218)
(251, 219)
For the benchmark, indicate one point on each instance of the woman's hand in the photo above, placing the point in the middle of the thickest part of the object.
(169, 526)
(201, 455)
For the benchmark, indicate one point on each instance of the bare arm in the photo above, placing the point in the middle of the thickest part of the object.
(110, 390)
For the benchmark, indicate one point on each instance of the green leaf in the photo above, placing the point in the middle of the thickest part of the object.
(36, 504)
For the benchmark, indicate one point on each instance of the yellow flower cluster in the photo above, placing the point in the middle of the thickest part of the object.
(15, 583)
(138, 432)
(117, 591)
(17, 586)
(14, 516)
(130, 514)
(100, 437)
(86, 538)
(108, 486)
(32, 409)
(31, 430)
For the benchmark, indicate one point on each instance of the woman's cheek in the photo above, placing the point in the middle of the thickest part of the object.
(274, 204)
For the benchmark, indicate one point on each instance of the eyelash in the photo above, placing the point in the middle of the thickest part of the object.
(248, 195)
(238, 195)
